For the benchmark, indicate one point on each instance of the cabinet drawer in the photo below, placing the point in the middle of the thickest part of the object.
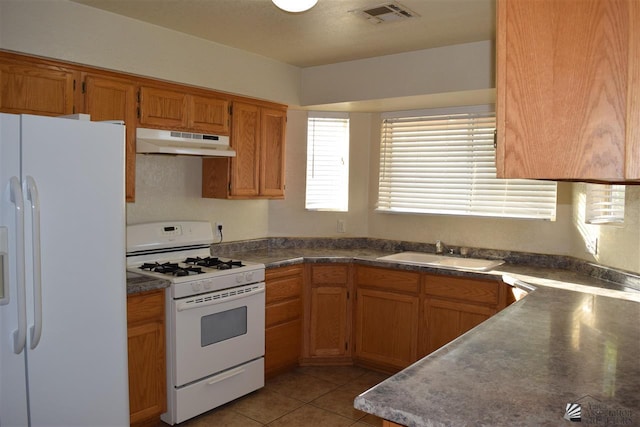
(329, 274)
(283, 312)
(468, 290)
(392, 280)
(281, 289)
(147, 305)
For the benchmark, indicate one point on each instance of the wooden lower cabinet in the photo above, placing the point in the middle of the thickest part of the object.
(452, 306)
(386, 319)
(396, 317)
(386, 328)
(147, 357)
(445, 321)
(328, 314)
(283, 319)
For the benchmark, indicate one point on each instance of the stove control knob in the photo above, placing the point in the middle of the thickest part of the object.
(249, 276)
(207, 285)
(239, 278)
(196, 286)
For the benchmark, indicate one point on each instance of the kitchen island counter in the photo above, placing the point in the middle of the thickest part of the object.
(523, 366)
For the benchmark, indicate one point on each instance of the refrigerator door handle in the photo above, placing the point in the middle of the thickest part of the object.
(19, 335)
(31, 190)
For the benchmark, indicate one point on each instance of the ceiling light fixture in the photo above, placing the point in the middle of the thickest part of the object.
(295, 6)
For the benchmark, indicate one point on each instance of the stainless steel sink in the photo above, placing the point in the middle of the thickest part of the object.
(441, 261)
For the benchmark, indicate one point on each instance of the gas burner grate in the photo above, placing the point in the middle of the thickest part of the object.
(213, 262)
(171, 268)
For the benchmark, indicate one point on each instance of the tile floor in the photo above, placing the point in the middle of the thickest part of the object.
(304, 397)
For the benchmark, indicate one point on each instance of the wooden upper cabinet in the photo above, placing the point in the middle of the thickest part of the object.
(182, 110)
(257, 171)
(274, 124)
(568, 75)
(109, 98)
(245, 140)
(208, 115)
(163, 108)
(36, 88)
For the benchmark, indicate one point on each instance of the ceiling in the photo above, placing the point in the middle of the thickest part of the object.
(326, 34)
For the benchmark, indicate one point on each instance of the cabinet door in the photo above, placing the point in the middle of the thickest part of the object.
(115, 99)
(327, 313)
(273, 124)
(146, 388)
(328, 322)
(445, 321)
(562, 73)
(283, 319)
(386, 328)
(31, 89)
(208, 115)
(147, 360)
(163, 108)
(245, 139)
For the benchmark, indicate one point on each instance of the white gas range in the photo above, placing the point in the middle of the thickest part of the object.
(215, 315)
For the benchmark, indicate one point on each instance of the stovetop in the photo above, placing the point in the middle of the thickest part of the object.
(180, 251)
(192, 266)
(189, 279)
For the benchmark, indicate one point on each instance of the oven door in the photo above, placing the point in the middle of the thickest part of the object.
(217, 331)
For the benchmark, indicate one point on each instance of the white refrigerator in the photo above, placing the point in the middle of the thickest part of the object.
(63, 342)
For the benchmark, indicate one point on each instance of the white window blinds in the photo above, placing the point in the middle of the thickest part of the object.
(445, 164)
(327, 162)
(605, 204)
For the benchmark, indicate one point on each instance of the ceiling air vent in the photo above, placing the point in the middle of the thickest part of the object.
(386, 12)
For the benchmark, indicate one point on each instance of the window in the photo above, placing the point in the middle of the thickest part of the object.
(604, 204)
(445, 164)
(327, 162)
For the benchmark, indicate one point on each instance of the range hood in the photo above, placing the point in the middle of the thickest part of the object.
(156, 141)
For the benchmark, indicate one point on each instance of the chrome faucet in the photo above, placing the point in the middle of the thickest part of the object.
(439, 247)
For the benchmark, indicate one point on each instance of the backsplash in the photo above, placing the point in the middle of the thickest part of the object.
(593, 270)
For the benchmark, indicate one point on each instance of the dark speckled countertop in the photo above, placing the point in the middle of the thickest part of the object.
(137, 283)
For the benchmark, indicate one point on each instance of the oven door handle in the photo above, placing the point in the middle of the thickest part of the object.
(192, 304)
(226, 376)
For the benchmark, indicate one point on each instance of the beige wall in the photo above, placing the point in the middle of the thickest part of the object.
(459, 68)
(289, 218)
(618, 245)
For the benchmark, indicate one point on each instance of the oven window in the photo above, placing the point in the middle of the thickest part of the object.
(223, 326)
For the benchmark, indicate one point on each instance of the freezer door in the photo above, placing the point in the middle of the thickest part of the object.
(77, 373)
(13, 389)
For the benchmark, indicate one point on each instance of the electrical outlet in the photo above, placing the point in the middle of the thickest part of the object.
(592, 246)
(342, 226)
(218, 231)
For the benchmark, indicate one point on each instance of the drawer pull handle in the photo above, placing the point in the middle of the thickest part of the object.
(226, 376)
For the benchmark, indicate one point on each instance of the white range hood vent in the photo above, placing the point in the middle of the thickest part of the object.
(156, 141)
(385, 12)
